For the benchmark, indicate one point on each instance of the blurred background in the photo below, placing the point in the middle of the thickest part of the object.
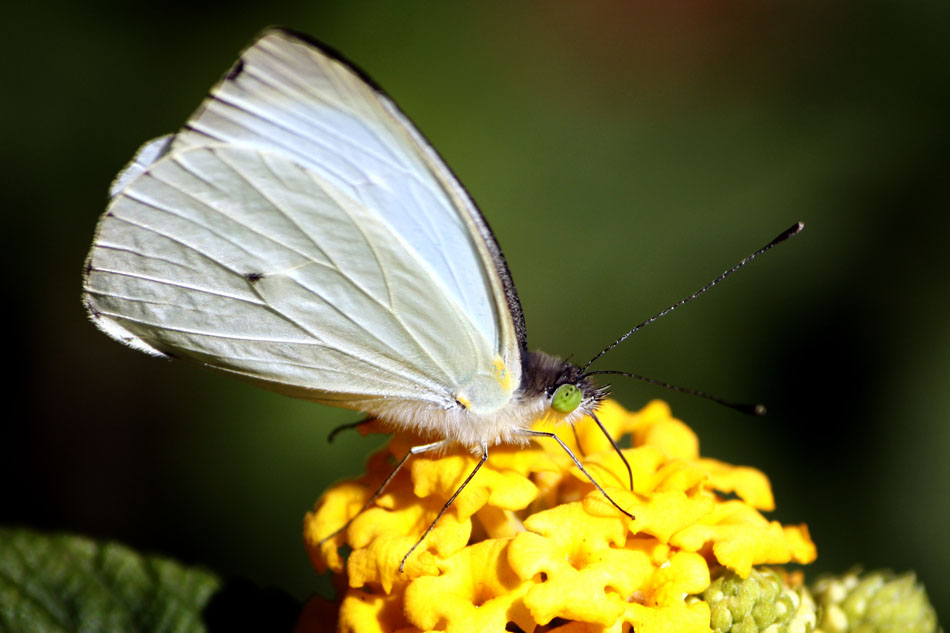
(624, 153)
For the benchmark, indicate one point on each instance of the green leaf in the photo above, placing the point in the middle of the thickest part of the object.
(55, 583)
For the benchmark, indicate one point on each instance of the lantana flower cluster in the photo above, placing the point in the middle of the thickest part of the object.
(531, 545)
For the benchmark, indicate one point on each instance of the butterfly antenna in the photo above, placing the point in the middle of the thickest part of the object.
(791, 231)
(751, 409)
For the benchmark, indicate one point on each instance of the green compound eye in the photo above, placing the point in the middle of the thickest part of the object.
(566, 398)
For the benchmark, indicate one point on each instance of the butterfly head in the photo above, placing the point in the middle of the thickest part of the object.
(565, 391)
(574, 394)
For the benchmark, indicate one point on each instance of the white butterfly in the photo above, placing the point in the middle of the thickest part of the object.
(298, 232)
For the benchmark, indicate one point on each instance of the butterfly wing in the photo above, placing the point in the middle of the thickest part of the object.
(300, 233)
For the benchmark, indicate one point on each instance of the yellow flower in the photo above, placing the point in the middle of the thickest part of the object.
(531, 543)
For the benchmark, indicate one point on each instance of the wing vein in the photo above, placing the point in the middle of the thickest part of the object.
(173, 284)
(393, 356)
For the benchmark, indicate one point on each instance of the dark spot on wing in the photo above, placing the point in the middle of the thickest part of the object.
(109, 214)
(252, 277)
(237, 70)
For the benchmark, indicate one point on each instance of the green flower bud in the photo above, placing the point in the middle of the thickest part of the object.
(761, 603)
(876, 602)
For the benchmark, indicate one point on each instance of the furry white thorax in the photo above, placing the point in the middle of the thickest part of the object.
(459, 426)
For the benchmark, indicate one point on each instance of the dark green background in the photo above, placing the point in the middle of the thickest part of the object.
(624, 153)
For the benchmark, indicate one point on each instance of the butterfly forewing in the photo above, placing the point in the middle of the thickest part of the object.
(298, 233)
(287, 95)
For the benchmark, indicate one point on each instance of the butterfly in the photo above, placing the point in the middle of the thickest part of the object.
(299, 233)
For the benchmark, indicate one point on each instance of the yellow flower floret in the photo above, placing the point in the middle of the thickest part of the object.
(531, 544)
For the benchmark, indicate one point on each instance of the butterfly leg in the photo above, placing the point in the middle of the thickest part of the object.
(347, 426)
(577, 439)
(616, 448)
(577, 463)
(446, 506)
(415, 450)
